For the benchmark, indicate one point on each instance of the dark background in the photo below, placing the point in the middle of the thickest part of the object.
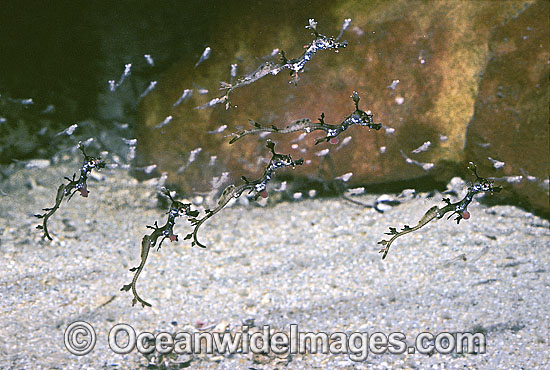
(63, 53)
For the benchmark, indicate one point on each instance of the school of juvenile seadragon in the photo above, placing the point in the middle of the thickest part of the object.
(256, 188)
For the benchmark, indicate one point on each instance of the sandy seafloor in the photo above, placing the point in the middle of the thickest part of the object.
(313, 262)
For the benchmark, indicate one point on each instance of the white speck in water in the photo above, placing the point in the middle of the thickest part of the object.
(149, 169)
(358, 31)
(27, 101)
(390, 130)
(202, 91)
(297, 195)
(162, 179)
(149, 88)
(382, 149)
(345, 26)
(164, 123)
(131, 153)
(127, 68)
(422, 148)
(322, 153)
(233, 70)
(85, 143)
(393, 85)
(513, 179)
(187, 93)
(294, 146)
(424, 166)
(443, 138)
(38, 163)
(312, 24)
(193, 155)
(218, 130)
(3, 120)
(68, 131)
(212, 160)
(345, 177)
(49, 109)
(307, 161)
(261, 161)
(303, 150)
(204, 56)
(356, 191)
(496, 164)
(126, 73)
(312, 193)
(264, 134)
(130, 142)
(211, 103)
(300, 138)
(282, 187)
(344, 142)
(427, 166)
(399, 100)
(217, 182)
(149, 59)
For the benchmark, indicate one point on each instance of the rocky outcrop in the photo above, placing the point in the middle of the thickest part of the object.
(417, 67)
(508, 135)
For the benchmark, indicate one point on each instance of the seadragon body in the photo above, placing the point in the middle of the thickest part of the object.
(69, 189)
(460, 208)
(321, 42)
(257, 186)
(177, 209)
(357, 117)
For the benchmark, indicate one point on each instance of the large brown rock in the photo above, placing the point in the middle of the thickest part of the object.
(510, 123)
(437, 50)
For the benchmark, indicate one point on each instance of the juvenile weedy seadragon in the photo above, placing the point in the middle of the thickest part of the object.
(460, 208)
(358, 117)
(480, 185)
(177, 209)
(321, 42)
(257, 186)
(74, 185)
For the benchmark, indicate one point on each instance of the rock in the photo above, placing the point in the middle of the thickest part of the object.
(510, 122)
(416, 66)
